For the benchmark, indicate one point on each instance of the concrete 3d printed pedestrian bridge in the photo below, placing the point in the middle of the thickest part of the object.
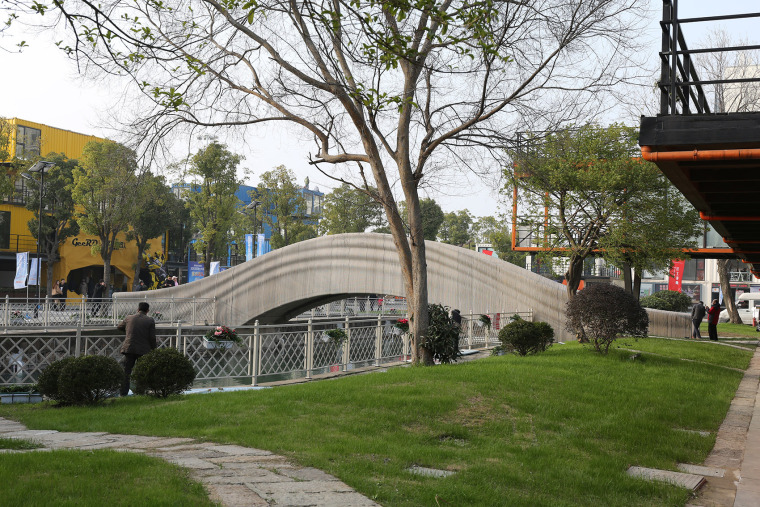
(288, 281)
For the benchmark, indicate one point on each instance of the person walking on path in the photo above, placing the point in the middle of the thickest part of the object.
(697, 314)
(141, 339)
(712, 320)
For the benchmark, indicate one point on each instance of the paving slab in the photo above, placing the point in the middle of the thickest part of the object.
(684, 480)
(234, 476)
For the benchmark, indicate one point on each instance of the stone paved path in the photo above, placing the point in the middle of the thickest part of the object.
(737, 449)
(234, 476)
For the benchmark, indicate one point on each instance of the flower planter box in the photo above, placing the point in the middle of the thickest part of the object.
(223, 344)
(20, 398)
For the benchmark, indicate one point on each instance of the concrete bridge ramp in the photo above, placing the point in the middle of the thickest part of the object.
(285, 282)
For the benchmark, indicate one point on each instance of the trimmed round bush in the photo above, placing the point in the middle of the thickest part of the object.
(523, 337)
(442, 338)
(88, 380)
(163, 372)
(670, 300)
(47, 383)
(604, 312)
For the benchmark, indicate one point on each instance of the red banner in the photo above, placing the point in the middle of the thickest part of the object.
(676, 276)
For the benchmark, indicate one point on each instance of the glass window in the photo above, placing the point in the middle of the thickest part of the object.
(5, 229)
(27, 142)
(694, 269)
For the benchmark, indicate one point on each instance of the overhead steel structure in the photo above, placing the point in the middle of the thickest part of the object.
(712, 157)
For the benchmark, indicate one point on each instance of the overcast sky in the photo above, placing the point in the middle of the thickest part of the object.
(40, 84)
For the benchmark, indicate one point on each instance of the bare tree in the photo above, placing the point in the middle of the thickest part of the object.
(733, 65)
(387, 91)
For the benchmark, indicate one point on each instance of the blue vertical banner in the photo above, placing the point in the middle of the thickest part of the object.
(248, 247)
(194, 271)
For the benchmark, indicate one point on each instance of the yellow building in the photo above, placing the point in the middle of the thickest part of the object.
(78, 262)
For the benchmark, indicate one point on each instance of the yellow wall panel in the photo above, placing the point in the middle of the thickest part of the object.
(56, 140)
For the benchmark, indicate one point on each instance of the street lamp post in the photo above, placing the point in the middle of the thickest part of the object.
(42, 167)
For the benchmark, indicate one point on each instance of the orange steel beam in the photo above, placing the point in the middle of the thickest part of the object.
(682, 156)
(719, 218)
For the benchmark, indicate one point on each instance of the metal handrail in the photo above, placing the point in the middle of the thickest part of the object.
(679, 82)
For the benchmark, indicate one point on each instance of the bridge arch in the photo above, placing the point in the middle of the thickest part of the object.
(283, 283)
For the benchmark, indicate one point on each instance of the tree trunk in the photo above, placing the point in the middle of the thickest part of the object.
(573, 277)
(636, 285)
(626, 269)
(728, 297)
(51, 261)
(206, 261)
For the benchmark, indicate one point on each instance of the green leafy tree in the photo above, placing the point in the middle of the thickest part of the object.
(349, 209)
(284, 208)
(496, 232)
(388, 91)
(455, 228)
(58, 221)
(103, 188)
(431, 218)
(212, 201)
(655, 227)
(152, 216)
(592, 181)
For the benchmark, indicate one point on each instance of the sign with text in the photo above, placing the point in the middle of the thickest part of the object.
(676, 276)
(194, 271)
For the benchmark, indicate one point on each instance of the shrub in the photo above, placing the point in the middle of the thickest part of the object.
(525, 337)
(604, 312)
(47, 384)
(163, 372)
(442, 338)
(88, 380)
(667, 300)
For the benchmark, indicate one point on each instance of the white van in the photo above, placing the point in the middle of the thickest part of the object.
(746, 304)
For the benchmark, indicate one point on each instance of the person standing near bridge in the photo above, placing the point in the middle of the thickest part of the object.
(697, 314)
(141, 339)
(712, 320)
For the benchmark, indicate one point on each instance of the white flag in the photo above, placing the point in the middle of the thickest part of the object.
(33, 272)
(22, 260)
(214, 268)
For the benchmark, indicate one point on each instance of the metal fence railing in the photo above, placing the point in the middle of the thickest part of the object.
(268, 352)
(52, 313)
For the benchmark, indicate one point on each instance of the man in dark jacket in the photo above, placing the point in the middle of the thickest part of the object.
(712, 320)
(141, 339)
(697, 314)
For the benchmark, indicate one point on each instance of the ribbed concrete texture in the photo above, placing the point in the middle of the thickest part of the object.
(285, 282)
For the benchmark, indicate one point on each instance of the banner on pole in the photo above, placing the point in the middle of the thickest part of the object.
(33, 271)
(676, 276)
(22, 261)
(248, 247)
(214, 268)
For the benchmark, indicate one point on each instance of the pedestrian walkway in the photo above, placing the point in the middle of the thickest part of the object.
(737, 449)
(234, 476)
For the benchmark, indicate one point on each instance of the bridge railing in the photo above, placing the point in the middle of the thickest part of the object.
(359, 307)
(268, 353)
(681, 89)
(51, 313)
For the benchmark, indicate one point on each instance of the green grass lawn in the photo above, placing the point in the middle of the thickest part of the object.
(731, 331)
(556, 429)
